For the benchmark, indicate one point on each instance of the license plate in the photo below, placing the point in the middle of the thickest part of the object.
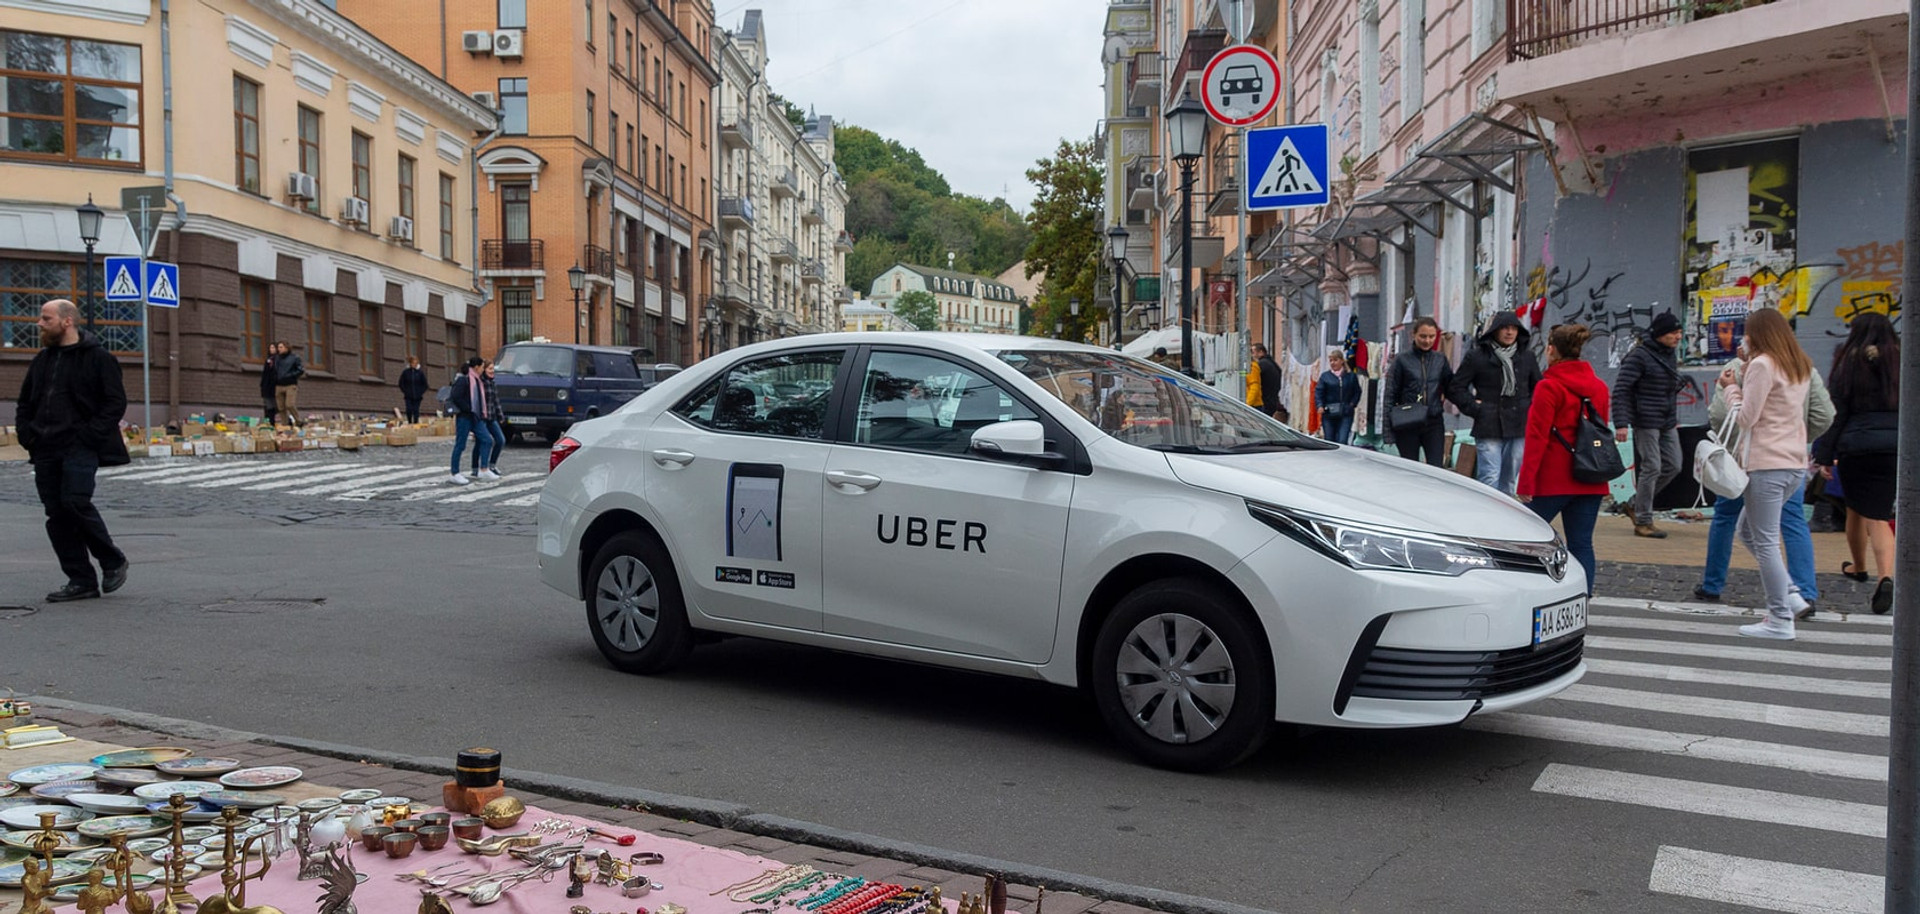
(1550, 622)
(520, 420)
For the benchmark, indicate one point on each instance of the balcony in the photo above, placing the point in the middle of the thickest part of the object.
(782, 250)
(843, 295)
(813, 271)
(1604, 58)
(1143, 80)
(736, 129)
(509, 254)
(1225, 201)
(597, 261)
(736, 213)
(1143, 183)
(785, 185)
(1200, 46)
(814, 215)
(843, 241)
(729, 292)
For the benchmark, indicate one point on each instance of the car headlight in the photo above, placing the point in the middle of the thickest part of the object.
(1362, 546)
(560, 394)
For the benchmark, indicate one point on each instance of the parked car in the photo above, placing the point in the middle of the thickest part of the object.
(1054, 511)
(546, 387)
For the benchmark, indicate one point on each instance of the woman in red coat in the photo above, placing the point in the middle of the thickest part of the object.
(1546, 472)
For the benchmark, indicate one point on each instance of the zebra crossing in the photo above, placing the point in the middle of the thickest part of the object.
(337, 479)
(1777, 744)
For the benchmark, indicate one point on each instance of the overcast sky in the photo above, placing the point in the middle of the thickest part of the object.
(982, 88)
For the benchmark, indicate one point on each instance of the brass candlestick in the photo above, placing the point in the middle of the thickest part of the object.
(173, 888)
(46, 839)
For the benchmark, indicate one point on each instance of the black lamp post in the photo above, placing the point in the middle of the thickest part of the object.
(1186, 141)
(90, 217)
(576, 280)
(1117, 252)
(713, 327)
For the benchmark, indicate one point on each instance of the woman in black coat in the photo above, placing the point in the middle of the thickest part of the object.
(1865, 441)
(269, 378)
(413, 387)
(1418, 380)
(1494, 385)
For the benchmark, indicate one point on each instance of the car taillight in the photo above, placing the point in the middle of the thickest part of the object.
(562, 449)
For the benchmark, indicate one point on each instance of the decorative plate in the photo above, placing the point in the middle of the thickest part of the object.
(318, 804)
(69, 841)
(194, 813)
(188, 789)
(196, 833)
(13, 874)
(268, 776)
(47, 774)
(7, 803)
(244, 800)
(130, 777)
(59, 791)
(140, 758)
(361, 795)
(188, 851)
(276, 815)
(13, 854)
(199, 766)
(70, 892)
(145, 846)
(92, 854)
(130, 826)
(378, 802)
(29, 816)
(108, 804)
(8, 788)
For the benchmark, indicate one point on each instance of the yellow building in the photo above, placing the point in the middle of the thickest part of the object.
(315, 187)
(967, 303)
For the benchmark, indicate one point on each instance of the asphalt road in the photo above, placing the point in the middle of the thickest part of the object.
(378, 621)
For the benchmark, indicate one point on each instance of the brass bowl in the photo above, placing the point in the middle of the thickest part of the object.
(503, 813)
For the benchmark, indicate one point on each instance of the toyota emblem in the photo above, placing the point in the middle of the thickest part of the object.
(1557, 564)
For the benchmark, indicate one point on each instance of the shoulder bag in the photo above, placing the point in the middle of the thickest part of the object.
(1410, 415)
(1595, 457)
(1715, 467)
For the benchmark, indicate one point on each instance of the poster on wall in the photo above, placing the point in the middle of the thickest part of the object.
(1740, 241)
(1725, 317)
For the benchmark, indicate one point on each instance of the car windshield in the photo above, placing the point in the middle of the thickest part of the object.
(535, 361)
(1148, 406)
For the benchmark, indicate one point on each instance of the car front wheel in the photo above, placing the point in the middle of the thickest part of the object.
(1180, 676)
(634, 605)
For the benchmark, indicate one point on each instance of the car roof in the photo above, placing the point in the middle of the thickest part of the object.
(580, 347)
(973, 342)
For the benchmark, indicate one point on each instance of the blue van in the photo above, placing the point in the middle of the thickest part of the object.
(547, 387)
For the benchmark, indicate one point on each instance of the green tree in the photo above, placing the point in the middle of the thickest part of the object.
(1066, 236)
(918, 308)
(902, 210)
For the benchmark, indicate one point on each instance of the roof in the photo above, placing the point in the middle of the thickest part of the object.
(1010, 295)
(750, 26)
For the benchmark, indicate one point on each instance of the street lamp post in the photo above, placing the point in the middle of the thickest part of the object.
(90, 216)
(576, 280)
(713, 327)
(1186, 140)
(1073, 310)
(1117, 251)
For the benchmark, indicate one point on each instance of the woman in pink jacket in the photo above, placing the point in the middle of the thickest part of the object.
(1770, 404)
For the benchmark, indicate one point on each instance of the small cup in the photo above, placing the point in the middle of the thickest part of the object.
(434, 837)
(469, 828)
(400, 843)
(372, 835)
(435, 818)
(407, 825)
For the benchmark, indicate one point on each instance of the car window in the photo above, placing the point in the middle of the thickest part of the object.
(614, 365)
(534, 361)
(923, 403)
(747, 399)
(583, 364)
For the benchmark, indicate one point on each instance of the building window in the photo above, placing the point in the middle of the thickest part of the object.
(446, 216)
(456, 344)
(310, 152)
(590, 132)
(513, 104)
(1413, 57)
(622, 321)
(416, 337)
(319, 339)
(512, 14)
(589, 25)
(363, 166)
(69, 100)
(630, 152)
(1489, 23)
(658, 163)
(516, 305)
(405, 171)
(704, 126)
(613, 24)
(640, 74)
(1370, 82)
(370, 341)
(683, 102)
(1329, 62)
(253, 321)
(246, 134)
(628, 36)
(668, 183)
(683, 184)
(25, 285)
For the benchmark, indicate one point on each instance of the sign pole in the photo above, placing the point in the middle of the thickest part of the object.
(146, 338)
(1903, 761)
(1240, 322)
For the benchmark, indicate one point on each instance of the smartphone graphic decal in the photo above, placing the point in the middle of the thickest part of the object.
(753, 510)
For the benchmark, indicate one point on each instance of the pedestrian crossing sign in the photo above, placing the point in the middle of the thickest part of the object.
(163, 284)
(1288, 167)
(123, 277)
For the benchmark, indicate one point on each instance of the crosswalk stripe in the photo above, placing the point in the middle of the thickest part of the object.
(199, 467)
(1804, 633)
(320, 476)
(223, 471)
(1703, 798)
(496, 490)
(1855, 765)
(524, 501)
(1784, 655)
(1826, 616)
(1729, 709)
(1812, 684)
(238, 479)
(1765, 884)
(362, 484)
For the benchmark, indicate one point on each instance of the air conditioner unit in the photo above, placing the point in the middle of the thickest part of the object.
(353, 210)
(1150, 180)
(302, 186)
(510, 43)
(487, 99)
(476, 42)
(401, 229)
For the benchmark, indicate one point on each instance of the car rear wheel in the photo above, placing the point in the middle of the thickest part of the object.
(634, 605)
(1181, 678)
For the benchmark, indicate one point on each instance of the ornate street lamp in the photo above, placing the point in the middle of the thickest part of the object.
(1117, 252)
(576, 280)
(90, 217)
(1186, 142)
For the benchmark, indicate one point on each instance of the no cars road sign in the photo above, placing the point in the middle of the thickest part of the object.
(1240, 85)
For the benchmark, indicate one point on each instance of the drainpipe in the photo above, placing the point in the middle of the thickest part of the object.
(473, 197)
(180, 206)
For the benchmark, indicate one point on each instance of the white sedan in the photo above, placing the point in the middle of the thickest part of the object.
(1059, 512)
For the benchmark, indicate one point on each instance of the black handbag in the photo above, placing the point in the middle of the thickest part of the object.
(1405, 416)
(1595, 458)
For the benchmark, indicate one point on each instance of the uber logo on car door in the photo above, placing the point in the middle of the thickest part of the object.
(753, 510)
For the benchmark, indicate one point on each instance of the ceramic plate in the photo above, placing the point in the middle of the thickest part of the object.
(269, 776)
(145, 846)
(198, 832)
(29, 816)
(71, 892)
(7, 803)
(189, 851)
(69, 841)
(130, 826)
(108, 804)
(276, 814)
(360, 795)
(92, 854)
(13, 854)
(318, 804)
(8, 788)
(244, 800)
(198, 766)
(378, 802)
(12, 874)
(194, 813)
(130, 777)
(59, 791)
(188, 789)
(140, 758)
(47, 774)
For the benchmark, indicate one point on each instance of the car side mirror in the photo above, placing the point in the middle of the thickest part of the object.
(1021, 441)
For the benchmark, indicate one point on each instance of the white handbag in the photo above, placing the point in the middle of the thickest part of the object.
(1715, 467)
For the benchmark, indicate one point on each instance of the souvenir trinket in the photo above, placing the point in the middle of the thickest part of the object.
(503, 813)
(337, 881)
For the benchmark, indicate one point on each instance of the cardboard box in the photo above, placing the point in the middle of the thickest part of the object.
(378, 439)
(159, 450)
(327, 443)
(222, 445)
(350, 442)
(202, 448)
(136, 451)
(193, 429)
(402, 437)
(243, 444)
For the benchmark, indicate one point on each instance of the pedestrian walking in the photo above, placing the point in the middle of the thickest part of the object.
(269, 379)
(1494, 385)
(1266, 387)
(1644, 395)
(413, 387)
(488, 426)
(1864, 444)
(69, 421)
(1417, 382)
(1337, 395)
(468, 399)
(1769, 403)
(288, 370)
(1794, 531)
(1560, 401)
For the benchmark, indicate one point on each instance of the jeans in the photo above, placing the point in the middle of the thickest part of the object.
(1430, 437)
(1767, 490)
(1497, 462)
(1578, 513)
(1337, 429)
(488, 429)
(1656, 461)
(413, 409)
(1793, 531)
(470, 424)
(74, 525)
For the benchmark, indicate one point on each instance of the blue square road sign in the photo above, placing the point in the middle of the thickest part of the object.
(124, 279)
(163, 284)
(1289, 167)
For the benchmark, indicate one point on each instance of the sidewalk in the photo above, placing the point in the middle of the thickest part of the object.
(1668, 569)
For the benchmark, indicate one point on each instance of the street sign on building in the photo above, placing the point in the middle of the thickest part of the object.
(1240, 85)
(163, 284)
(1289, 166)
(124, 279)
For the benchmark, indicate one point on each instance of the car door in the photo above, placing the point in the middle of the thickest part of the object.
(618, 379)
(737, 488)
(926, 544)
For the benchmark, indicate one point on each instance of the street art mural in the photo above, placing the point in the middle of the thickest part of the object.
(1739, 252)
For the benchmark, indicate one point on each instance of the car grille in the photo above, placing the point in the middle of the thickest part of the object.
(1401, 673)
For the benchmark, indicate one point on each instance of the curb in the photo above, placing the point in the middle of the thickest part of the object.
(717, 813)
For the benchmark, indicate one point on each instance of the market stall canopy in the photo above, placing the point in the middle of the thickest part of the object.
(1144, 344)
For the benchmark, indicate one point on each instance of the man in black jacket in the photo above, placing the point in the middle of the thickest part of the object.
(1644, 397)
(1494, 385)
(286, 385)
(69, 422)
(413, 387)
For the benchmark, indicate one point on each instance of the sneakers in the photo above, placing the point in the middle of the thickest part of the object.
(1701, 594)
(487, 474)
(458, 479)
(1772, 628)
(74, 592)
(112, 578)
(1804, 615)
(1649, 531)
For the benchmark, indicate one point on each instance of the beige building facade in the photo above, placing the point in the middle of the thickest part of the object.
(967, 303)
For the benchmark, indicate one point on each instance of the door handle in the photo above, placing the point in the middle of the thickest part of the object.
(672, 459)
(862, 481)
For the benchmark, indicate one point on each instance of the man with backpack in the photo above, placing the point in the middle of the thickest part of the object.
(1644, 403)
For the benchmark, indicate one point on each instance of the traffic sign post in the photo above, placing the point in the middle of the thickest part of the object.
(124, 279)
(1240, 85)
(162, 284)
(1292, 164)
